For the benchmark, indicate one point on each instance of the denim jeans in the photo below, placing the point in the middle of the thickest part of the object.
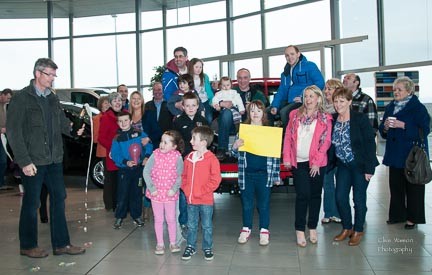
(255, 186)
(208, 112)
(52, 176)
(348, 175)
(183, 209)
(330, 207)
(3, 164)
(225, 127)
(195, 211)
(308, 196)
(129, 194)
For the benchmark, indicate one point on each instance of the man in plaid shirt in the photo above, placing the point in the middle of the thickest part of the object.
(361, 102)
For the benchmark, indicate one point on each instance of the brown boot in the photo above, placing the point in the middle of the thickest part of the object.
(355, 238)
(146, 214)
(346, 233)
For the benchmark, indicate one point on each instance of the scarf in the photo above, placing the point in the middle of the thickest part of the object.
(399, 105)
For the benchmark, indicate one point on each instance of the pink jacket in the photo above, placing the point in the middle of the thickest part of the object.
(321, 140)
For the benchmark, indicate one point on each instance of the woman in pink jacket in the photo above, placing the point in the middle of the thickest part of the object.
(307, 139)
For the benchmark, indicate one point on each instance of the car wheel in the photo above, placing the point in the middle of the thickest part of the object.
(97, 173)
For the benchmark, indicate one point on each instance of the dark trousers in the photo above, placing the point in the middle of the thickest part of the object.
(3, 165)
(406, 199)
(110, 189)
(308, 196)
(43, 203)
(255, 187)
(349, 176)
(129, 193)
(52, 176)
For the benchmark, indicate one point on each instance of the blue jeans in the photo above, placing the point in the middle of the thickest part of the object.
(330, 207)
(308, 196)
(348, 175)
(225, 127)
(129, 194)
(3, 164)
(52, 176)
(183, 209)
(208, 112)
(255, 186)
(195, 211)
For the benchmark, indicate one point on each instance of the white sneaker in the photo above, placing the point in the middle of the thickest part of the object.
(335, 219)
(264, 237)
(244, 235)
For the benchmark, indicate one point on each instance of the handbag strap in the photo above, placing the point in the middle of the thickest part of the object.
(422, 143)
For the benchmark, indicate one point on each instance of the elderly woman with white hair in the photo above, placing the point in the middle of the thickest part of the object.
(403, 118)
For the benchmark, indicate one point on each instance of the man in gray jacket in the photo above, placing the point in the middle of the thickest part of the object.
(35, 123)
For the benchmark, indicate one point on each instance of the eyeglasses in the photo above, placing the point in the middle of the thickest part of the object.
(47, 74)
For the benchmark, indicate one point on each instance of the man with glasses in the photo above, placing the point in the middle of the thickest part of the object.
(175, 67)
(35, 123)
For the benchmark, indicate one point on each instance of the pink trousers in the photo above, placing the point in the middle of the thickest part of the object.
(164, 211)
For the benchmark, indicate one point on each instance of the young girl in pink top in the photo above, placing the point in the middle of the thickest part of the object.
(162, 175)
(307, 139)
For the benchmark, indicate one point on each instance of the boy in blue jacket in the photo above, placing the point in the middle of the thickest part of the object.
(129, 188)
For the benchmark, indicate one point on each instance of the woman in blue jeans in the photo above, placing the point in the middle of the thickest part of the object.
(353, 152)
(331, 213)
(257, 174)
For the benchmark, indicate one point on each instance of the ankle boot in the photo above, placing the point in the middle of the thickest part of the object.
(355, 238)
(346, 233)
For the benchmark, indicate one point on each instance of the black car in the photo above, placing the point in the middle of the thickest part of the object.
(78, 150)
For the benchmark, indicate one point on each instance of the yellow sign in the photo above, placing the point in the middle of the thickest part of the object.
(261, 140)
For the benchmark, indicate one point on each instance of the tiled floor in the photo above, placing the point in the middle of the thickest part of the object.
(385, 249)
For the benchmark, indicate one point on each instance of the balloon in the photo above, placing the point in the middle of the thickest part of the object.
(135, 151)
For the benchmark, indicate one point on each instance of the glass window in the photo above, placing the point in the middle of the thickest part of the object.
(211, 68)
(95, 62)
(104, 24)
(407, 40)
(276, 3)
(152, 54)
(359, 18)
(18, 60)
(201, 41)
(279, 34)
(61, 58)
(151, 19)
(19, 28)
(247, 34)
(60, 27)
(210, 11)
(243, 6)
(254, 65)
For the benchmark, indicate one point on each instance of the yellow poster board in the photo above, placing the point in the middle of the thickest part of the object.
(261, 140)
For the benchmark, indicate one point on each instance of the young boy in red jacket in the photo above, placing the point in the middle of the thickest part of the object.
(201, 177)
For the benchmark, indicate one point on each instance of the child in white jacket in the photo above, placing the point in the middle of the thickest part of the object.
(228, 94)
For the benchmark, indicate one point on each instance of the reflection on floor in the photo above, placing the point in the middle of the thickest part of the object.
(385, 249)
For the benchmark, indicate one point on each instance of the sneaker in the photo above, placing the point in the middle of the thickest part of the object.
(264, 237)
(160, 250)
(335, 219)
(184, 230)
(139, 222)
(118, 223)
(244, 235)
(188, 253)
(174, 248)
(208, 254)
(325, 220)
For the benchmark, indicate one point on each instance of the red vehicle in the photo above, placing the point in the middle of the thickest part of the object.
(229, 167)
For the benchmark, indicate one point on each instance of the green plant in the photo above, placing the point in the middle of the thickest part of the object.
(159, 70)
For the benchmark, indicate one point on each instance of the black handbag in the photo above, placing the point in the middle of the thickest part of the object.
(417, 166)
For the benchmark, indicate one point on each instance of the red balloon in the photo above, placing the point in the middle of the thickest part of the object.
(135, 151)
